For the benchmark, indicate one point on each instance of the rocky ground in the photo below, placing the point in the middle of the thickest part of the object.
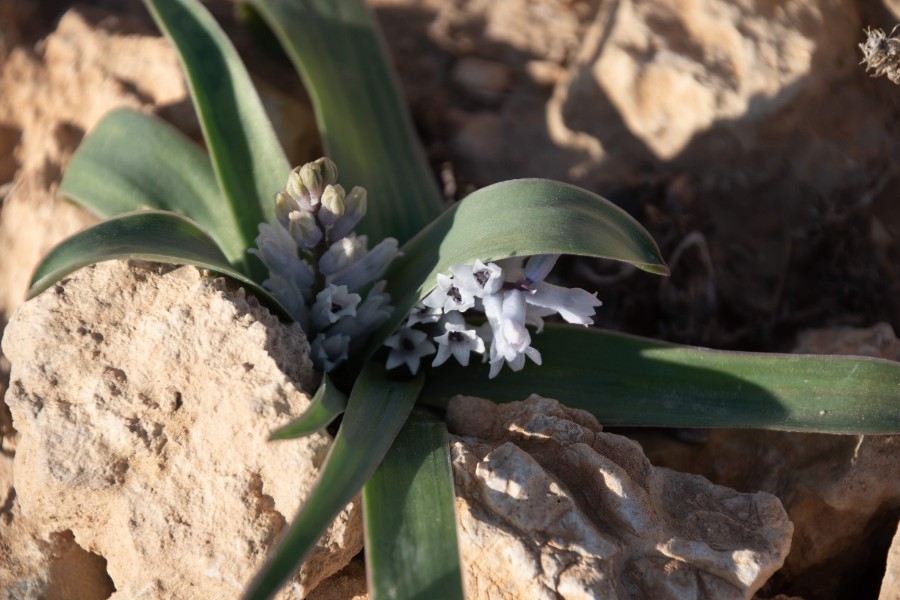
(741, 133)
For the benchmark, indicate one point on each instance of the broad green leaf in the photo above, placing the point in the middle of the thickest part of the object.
(132, 161)
(248, 160)
(516, 218)
(377, 409)
(366, 129)
(410, 519)
(625, 380)
(146, 235)
(327, 404)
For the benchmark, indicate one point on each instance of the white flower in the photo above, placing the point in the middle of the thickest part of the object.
(328, 351)
(457, 340)
(448, 296)
(511, 342)
(422, 313)
(331, 304)
(574, 305)
(478, 280)
(408, 347)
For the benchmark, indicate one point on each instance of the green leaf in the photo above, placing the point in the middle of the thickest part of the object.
(327, 404)
(625, 380)
(366, 129)
(515, 218)
(248, 160)
(377, 409)
(410, 518)
(146, 235)
(111, 174)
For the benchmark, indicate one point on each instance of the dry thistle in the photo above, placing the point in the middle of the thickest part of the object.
(881, 53)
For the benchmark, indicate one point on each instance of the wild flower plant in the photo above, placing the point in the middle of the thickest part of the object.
(374, 313)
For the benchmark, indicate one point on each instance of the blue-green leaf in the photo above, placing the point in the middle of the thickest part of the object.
(146, 235)
(248, 160)
(411, 546)
(516, 218)
(366, 129)
(377, 409)
(625, 380)
(132, 161)
(327, 404)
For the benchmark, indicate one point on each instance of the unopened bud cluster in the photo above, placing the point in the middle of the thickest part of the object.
(511, 293)
(319, 269)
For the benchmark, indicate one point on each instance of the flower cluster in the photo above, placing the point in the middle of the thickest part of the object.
(319, 269)
(511, 293)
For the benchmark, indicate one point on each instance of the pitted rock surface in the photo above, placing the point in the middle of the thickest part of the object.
(144, 397)
(550, 506)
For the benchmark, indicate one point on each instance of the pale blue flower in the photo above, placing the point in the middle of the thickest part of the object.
(368, 266)
(332, 304)
(408, 346)
(328, 351)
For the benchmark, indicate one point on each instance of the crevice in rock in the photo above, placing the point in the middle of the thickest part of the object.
(75, 573)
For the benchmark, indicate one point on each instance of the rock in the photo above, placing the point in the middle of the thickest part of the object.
(482, 77)
(842, 492)
(144, 397)
(549, 506)
(50, 100)
(878, 341)
(724, 60)
(347, 584)
(890, 585)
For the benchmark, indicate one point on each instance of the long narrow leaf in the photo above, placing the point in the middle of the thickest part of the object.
(366, 129)
(327, 404)
(132, 161)
(625, 380)
(377, 409)
(411, 546)
(147, 235)
(249, 162)
(516, 218)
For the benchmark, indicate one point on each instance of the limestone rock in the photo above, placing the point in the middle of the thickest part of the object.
(347, 584)
(549, 506)
(671, 69)
(50, 99)
(842, 492)
(890, 585)
(144, 397)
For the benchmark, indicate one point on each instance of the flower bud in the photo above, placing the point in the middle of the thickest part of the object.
(318, 174)
(302, 227)
(354, 209)
(298, 192)
(332, 207)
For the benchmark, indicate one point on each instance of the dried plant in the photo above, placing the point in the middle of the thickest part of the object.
(881, 53)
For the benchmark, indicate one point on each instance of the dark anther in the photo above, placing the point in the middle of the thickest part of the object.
(456, 337)
(482, 277)
(408, 345)
(453, 292)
